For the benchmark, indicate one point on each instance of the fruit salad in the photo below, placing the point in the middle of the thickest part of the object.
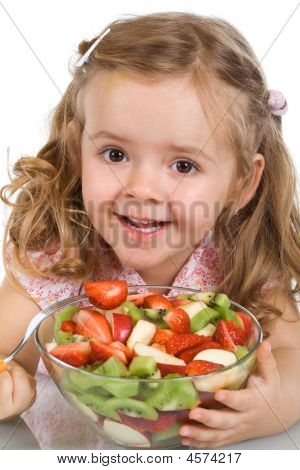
(140, 362)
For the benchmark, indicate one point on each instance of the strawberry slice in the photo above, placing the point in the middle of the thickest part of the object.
(122, 347)
(246, 322)
(102, 352)
(202, 367)
(223, 337)
(164, 421)
(138, 299)
(188, 354)
(181, 342)
(237, 334)
(178, 320)
(106, 294)
(75, 354)
(157, 301)
(68, 326)
(92, 324)
(163, 335)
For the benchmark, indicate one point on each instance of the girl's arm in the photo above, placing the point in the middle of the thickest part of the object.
(17, 384)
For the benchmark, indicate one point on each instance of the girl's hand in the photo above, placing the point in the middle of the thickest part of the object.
(17, 391)
(251, 412)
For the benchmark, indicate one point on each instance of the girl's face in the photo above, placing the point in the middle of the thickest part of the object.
(147, 153)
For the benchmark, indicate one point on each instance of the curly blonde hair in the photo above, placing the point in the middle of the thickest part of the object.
(49, 211)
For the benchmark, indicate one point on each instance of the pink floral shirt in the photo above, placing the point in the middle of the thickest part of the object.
(51, 419)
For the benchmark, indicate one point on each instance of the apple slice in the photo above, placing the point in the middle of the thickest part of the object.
(143, 332)
(208, 330)
(121, 325)
(192, 308)
(161, 357)
(218, 356)
(123, 434)
(49, 346)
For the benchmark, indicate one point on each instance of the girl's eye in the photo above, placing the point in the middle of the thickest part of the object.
(112, 155)
(184, 166)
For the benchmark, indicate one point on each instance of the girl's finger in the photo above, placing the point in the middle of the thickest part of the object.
(6, 390)
(240, 400)
(203, 433)
(220, 419)
(24, 394)
(266, 366)
(205, 445)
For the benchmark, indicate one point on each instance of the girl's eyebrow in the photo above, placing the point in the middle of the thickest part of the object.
(178, 148)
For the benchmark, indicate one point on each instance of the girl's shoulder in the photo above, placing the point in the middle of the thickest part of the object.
(44, 290)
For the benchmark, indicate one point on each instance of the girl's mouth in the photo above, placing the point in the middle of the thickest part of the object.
(142, 229)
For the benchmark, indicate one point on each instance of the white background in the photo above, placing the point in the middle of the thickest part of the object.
(39, 38)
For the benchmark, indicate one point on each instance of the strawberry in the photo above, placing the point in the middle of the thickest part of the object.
(138, 299)
(181, 342)
(106, 294)
(246, 322)
(236, 333)
(68, 326)
(223, 337)
(178, 320)
(202, 367)
(164, 421)
(102, 352)
(92, 324)
(188, 354)
(75, 354)
(157, 301)
(163, 335)
(122, 347)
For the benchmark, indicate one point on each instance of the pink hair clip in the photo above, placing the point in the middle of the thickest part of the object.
(277, 103)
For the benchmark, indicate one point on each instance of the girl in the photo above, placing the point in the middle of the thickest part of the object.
(165, 165)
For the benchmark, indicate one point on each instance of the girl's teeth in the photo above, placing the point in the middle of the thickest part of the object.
(143, 229)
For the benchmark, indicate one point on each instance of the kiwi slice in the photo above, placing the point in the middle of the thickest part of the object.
(227, 314)
(82, 382)
(130, 407)
(222, 300)
(113, 367)
(206, 297)
(170, 396)
(66, 314)
(142, 366)
(136, 314)
(172, 431)
(202, 318)
(183, 296)
(155, 315)
(93, 401)
(241, 351)
(127, 305)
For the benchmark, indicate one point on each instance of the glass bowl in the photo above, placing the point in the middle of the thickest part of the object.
(141, 413)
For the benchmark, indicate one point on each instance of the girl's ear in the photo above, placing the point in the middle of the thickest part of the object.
(73, 142)
(250, 188)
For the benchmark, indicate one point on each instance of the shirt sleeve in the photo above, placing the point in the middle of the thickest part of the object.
(44, 291)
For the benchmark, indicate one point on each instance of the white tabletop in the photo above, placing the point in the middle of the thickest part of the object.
(16, 435)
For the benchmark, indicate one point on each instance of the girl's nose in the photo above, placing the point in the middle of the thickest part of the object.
(145, 184)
